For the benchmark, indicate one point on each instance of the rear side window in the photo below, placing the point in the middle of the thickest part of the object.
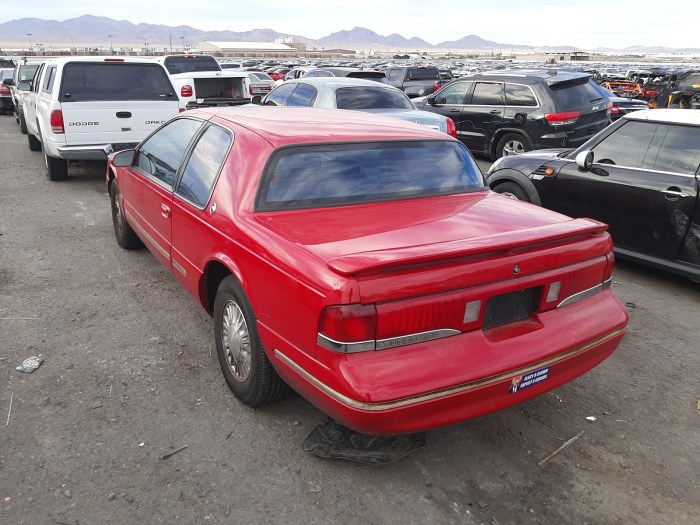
(304, 95)
(519, 95)
(488, 94)
(365, 97)
(394, 75)
(204, 165)
(316, 176)
(573, 95)
(49, 79)
(115, 81)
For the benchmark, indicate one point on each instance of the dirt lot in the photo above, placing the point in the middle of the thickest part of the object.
(130, 375)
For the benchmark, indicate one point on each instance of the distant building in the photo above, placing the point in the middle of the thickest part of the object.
(248, 49)
(575, 56)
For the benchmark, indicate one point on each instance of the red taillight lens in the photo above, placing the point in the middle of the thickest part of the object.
(561, 119)
(250, 90)
(451, 128)
(56, 120)
(437, 86)
(349, 323)
(614, 110)
(186, 91)
(4, 90)
(580, 278)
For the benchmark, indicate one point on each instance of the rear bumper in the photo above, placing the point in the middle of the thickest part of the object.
(92, 151)
(413, 388)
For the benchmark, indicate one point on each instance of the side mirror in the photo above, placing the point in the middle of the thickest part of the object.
(257, 99)
(430, 99)
(24, 85)
(124, 158)
(584, 160)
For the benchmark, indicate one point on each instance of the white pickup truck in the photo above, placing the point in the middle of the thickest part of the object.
(82, 108)
(201, 82)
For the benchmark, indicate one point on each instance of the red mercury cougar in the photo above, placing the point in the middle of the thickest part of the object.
(362, 261)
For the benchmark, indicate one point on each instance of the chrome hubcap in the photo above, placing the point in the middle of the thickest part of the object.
(235, 339)
(513, 147)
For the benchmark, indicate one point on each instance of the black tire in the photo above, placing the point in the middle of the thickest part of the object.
(22, 123)
(512, 144)
(246, 367)
(125, 235)
(34, 143)
(513, 190)
(56, 168)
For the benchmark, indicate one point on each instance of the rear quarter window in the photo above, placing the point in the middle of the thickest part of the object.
(121, 81)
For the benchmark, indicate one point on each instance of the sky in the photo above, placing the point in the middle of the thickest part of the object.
(585, 24)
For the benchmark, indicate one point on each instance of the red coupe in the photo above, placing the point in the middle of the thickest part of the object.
(362, 261)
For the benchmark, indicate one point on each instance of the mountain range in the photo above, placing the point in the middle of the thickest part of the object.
(88, 30)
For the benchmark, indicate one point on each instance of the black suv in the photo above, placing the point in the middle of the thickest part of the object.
(509, 112)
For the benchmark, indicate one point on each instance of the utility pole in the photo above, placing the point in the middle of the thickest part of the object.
(30, 41)
(170, 39)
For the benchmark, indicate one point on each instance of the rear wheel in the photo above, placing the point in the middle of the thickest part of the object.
(247, 369)
(513, 190)
(56, 168)
(125, 235)
(512, 144)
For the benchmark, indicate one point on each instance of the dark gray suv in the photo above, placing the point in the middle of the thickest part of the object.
(509, 112)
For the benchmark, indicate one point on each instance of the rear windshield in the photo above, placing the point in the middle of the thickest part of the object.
(317, 176)
(574, 94)
(115, 81)
(366, 97)
(176, 65)
(423, 73)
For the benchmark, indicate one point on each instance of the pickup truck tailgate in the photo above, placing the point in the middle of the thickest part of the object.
(103, 122)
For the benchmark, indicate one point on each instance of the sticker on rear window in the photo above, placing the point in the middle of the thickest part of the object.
(526, 380)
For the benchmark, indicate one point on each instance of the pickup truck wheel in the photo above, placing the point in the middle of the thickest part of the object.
(34, 143)
(22, 122)
(56, 168)
(512, 144)
(125, 235)
(247, 369)
(512, 190)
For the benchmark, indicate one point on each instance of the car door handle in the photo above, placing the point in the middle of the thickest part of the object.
(165, 211)
(495, 111)
(455, 110)
(674, 193)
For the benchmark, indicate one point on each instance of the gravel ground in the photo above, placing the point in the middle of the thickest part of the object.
(130, 375)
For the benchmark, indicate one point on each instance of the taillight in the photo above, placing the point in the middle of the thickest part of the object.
(561, 119)
(186, 91)
(4, 90)
(583, 280)
(437, 86)
(348, 328)
(451, 128)
(56, 120)
(614, 110)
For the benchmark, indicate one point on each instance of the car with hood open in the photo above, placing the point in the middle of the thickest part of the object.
(362, 261)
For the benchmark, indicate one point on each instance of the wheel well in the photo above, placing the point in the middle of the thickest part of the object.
(214, 273)
(110, 175)
(501, 132)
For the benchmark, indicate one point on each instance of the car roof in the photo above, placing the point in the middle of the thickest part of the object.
(550, 76)
(109, 59)
(669, 115)
(336, 82)
(282, 125)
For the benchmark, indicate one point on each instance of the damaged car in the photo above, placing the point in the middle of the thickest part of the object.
(362, 261)
(639, 176)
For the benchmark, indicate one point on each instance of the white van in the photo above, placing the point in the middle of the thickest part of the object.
(82, 108)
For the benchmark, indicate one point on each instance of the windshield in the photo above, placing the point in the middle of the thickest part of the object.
(317, 176)
(366, 97)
